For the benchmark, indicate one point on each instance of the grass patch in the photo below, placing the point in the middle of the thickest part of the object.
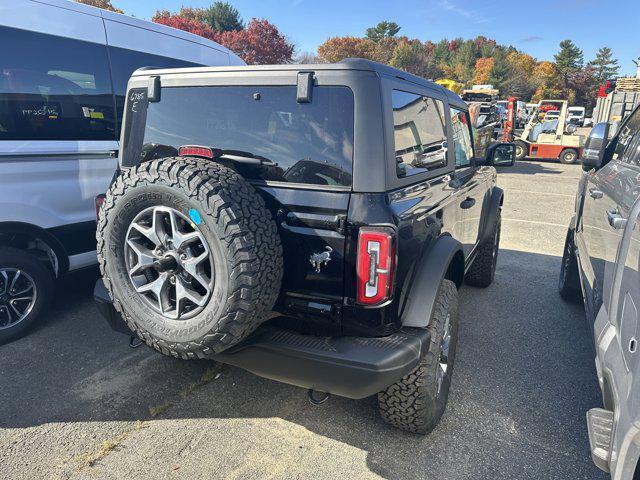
(208, 376)
(89, 459)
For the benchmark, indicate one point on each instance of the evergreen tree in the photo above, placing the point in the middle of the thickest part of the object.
(605, 66)
(569, 60)
(382, 30)
(223, 17)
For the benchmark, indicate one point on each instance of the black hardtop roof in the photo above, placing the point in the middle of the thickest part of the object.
(356, 64)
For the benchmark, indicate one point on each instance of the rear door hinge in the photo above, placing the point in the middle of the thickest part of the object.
(341, 224)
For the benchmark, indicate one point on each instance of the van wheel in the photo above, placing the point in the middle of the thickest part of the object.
(189, 254)
(568, 281)
(569, 156)
(522, 149)
(417, 401)
(483, 269)
(26, 286)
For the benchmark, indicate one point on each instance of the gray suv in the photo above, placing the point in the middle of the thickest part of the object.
(601, 264)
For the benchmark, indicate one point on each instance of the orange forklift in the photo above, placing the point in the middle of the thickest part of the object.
(544, 139)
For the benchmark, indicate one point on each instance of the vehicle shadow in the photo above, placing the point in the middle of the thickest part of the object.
(532, 166)
(524, 380)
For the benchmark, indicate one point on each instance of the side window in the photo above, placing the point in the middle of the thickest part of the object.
(124, 62)
(626, 148)
(462, 144)
(54, 88)
(419, 133)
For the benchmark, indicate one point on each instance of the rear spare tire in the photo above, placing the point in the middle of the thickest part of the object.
(189, 254)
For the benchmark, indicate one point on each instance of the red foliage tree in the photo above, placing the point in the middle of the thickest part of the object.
(182, 23)
(259, 43)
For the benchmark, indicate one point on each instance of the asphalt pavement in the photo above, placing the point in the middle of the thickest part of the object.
(77, 403)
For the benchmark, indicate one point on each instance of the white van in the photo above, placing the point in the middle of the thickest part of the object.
(575, 116)
(63, 78)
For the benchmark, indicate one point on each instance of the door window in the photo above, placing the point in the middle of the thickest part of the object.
(419, 133)
(124, 62)
(54, 88)
(462, 143)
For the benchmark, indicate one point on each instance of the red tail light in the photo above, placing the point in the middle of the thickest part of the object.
(376, 265)
(99, 201)
(194, 151)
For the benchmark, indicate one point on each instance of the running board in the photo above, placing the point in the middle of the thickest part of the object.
(600, 426)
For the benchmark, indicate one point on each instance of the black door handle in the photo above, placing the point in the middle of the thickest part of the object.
(616, 220)
(468, 203)
(595, 193)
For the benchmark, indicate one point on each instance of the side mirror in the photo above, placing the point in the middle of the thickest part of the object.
(595, 146)
(571, 129)
(501, 155)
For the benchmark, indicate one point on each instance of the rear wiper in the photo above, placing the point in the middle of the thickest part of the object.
(241, 156)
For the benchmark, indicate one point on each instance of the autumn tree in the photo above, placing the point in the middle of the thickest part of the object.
(336, 49)
(187, 24)
(383, 30)
(259, 43)
(306, 58)
(104, 4)
(483, 69)
(604, 65)
(192, 13)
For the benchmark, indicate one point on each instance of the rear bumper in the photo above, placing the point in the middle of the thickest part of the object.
(352, 367)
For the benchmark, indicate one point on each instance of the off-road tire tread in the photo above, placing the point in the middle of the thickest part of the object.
(482, 270)
(251, 236)
(409, 404)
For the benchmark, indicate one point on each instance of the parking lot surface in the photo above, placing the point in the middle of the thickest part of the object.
(76, 402)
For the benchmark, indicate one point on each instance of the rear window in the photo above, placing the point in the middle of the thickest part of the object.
(308, 143)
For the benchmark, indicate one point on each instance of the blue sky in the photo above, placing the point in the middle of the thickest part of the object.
(535, 26)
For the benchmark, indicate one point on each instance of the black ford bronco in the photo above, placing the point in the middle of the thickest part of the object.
(310, 224)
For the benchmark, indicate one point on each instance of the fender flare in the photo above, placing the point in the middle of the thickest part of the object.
(421, 299)
(493, 206)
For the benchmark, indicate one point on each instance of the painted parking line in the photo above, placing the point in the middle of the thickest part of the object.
(534, 221)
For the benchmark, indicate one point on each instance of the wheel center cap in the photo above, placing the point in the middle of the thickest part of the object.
(166, 264)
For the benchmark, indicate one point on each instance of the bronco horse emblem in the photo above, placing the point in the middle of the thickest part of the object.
(319, 259)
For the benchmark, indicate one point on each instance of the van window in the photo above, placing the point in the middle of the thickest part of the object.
(54, 88)
(462, 144)
(419, 133)
(309, 143)
(124, 62)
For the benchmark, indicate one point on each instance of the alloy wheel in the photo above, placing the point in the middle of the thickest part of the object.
(18, 295)
(169, 262)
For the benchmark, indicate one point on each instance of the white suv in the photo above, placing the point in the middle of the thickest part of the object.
(63, 77)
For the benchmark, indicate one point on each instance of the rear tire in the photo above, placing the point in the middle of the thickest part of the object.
(416, 402)
(522, 149)
(569, 156)
(32, 290)
(190, 255)
(569, 281)
(483, 269)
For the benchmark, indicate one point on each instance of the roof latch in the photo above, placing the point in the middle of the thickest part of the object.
(153, 89)
(305, 87)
